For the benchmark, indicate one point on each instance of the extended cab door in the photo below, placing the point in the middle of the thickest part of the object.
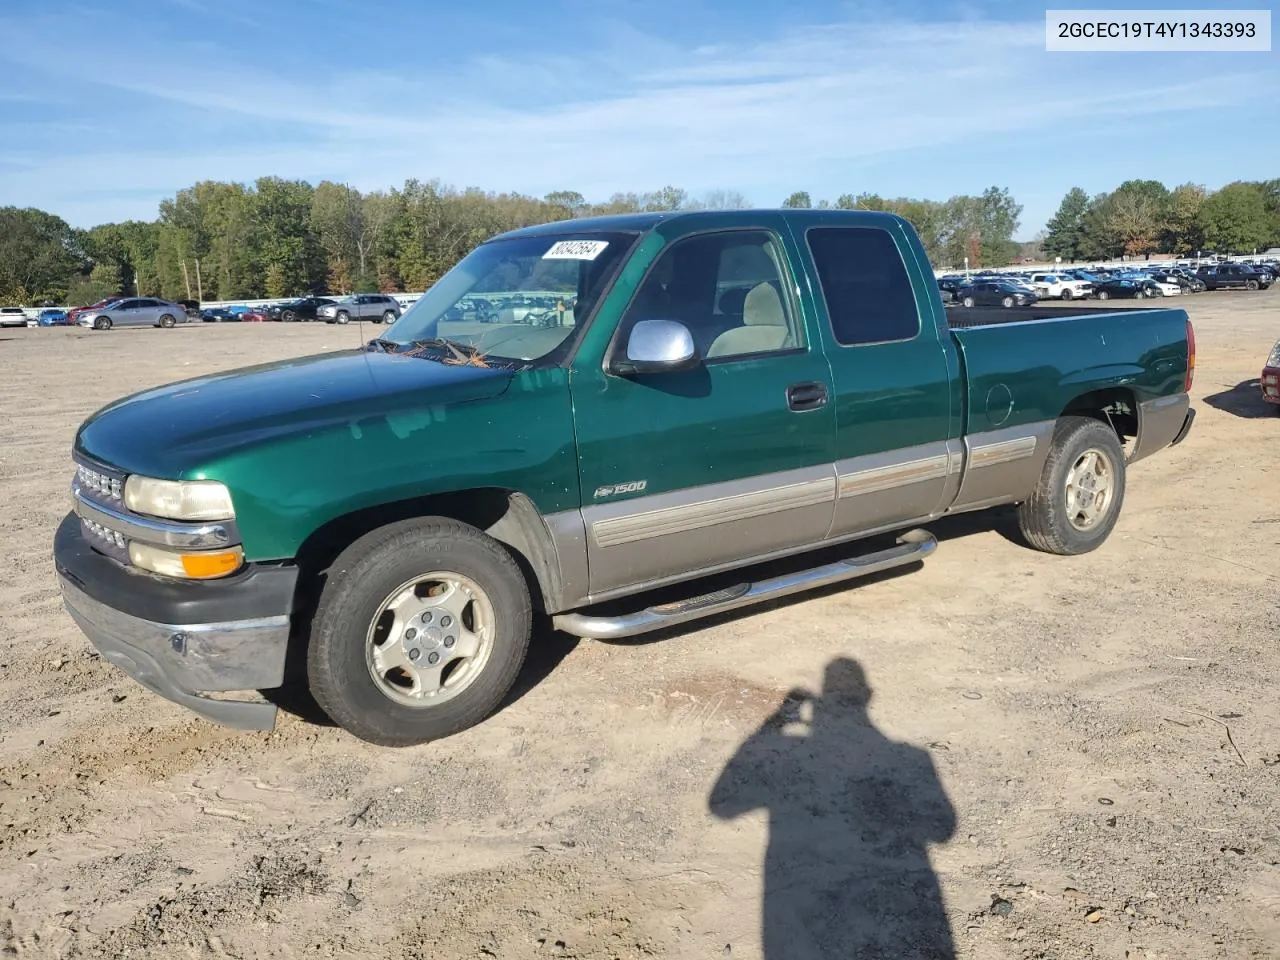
(897, 381)
(689, 471)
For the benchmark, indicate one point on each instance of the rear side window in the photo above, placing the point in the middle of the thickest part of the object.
(865, 285)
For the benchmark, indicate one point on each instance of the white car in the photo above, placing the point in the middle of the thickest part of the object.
(1050, 285)
(13, 317)
(1167, 289)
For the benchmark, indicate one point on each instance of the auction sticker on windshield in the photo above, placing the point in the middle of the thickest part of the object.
(575, 250)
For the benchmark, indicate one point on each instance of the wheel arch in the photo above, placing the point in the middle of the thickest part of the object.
(508, 516)
(1117, 407)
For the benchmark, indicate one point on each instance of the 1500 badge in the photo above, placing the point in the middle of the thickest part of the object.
(632, 486)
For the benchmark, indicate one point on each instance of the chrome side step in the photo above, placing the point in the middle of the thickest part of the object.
(914, 545)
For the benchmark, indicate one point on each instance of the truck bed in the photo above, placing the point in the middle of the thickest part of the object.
(962, 318)
(1030, 367)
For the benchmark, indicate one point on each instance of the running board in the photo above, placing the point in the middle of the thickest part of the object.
(913, 546)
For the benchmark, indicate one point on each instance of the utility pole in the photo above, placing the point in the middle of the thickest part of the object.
(185, 278)
(199, 285)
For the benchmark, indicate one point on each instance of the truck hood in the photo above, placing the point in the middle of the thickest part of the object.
(171, 431)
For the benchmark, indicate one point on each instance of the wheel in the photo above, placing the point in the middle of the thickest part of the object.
(968, 301)
(343, 317)
(1007, 302)
(389, 317)
(1067, 294)
(1252, 284)
(102, 323)
(1077, 501)
(288, 316)
(420, 632)
(1104, 295)
(167, 320)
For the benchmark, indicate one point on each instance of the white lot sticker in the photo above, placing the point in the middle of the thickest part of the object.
(575, 250)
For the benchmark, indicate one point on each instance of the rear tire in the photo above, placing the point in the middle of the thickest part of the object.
(1064, 515)
(389, 317)
(102, 323)
(288, 316)
(1067, 294)
(167, 321)
(347, 677)
(1007, 302)
(1103, 295)
(968, 302)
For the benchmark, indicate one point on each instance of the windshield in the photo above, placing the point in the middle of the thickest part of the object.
(519, 299)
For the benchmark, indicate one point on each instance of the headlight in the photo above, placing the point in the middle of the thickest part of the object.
(186, 566)
(179, 499)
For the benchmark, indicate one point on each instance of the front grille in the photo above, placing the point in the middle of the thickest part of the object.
(105, 486)
(105, 540)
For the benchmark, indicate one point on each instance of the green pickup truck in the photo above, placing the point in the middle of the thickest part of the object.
(709, 391)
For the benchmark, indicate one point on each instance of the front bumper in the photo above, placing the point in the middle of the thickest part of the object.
(182, 640)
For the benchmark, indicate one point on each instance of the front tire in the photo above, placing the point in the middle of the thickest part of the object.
(288, 316)
(342, 317)
(1067, 294)
(102, 323)
(420, 632)
(968, 302)
(1103, 295)
(1007, 302)
(1078, 498)
(1252, 284)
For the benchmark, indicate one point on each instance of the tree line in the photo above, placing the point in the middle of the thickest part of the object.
(1143, 216)
(276, 237)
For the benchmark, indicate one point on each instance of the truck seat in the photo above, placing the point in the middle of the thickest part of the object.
(764, 326)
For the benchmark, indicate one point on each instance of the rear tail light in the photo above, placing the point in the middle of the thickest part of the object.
(1191, 357)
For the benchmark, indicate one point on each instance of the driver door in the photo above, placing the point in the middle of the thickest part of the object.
(690, 471)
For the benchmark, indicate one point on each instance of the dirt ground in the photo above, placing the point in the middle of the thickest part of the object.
(1060, 758)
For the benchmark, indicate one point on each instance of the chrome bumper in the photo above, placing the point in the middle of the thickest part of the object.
(178, 661)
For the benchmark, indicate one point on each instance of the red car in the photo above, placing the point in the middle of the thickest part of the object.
(1271, 377)
(75, 312)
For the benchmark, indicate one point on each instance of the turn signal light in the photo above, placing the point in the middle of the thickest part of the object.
(187, 566)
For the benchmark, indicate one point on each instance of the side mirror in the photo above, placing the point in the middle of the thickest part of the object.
(655, 346)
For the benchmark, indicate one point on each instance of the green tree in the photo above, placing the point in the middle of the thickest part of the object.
(1064, 236)
(1182, 231)
(800, 200)
(1234, 219)
(39, 256)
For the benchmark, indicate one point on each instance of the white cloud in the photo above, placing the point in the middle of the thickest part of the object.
(633, 113)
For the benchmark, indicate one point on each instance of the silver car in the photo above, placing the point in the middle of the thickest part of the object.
(377, 307)
(134, 312)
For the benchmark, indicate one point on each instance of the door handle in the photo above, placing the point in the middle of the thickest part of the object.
(806, 396)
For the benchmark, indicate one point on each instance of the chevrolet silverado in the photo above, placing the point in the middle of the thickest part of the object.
(729, 388)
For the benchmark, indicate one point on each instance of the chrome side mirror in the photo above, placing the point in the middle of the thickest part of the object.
(658, 345)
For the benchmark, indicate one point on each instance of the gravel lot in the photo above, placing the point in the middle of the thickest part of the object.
(1060, 758)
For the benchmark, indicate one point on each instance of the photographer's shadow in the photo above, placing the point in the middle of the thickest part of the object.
(847, 873)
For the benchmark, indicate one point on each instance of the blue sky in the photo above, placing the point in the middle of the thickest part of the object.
(107, 108)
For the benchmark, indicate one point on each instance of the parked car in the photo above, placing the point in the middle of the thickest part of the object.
(303, 308)
(1120, 289)
(1228, 276)
(13, 317)
(1183, 282)
(377, 307)
(219, 315)
(993, 293)
(53, 317)
(134, 312)
(1270, 379)
(426, 492)
(1049, 285)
